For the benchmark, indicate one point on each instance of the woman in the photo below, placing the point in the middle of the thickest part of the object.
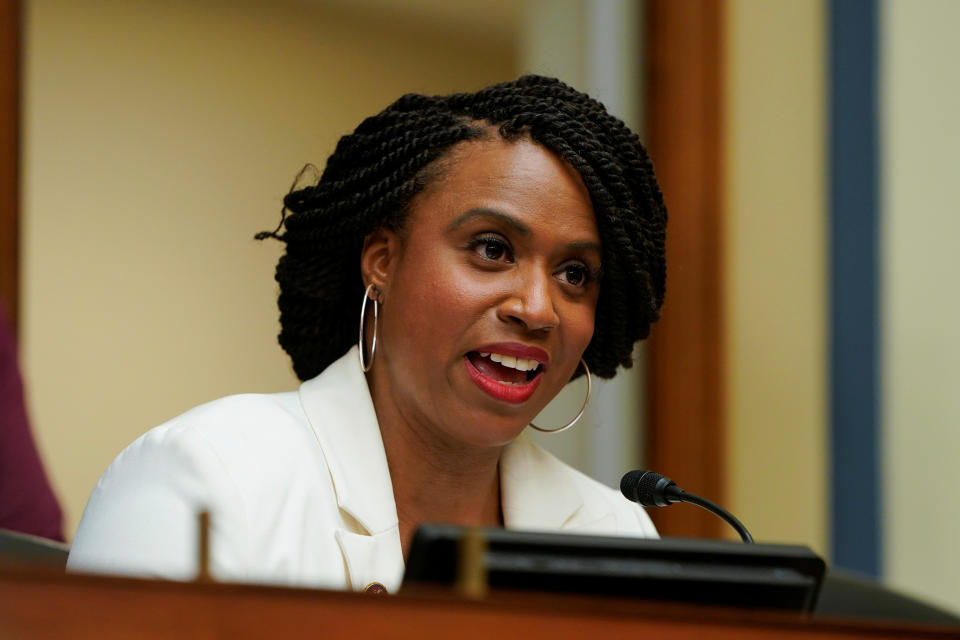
(499, 244)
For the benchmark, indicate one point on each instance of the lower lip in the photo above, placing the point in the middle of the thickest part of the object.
(514, 394)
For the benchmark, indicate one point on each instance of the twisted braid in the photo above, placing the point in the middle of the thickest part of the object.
(374, 172)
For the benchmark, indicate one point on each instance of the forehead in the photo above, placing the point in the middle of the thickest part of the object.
(521, 178)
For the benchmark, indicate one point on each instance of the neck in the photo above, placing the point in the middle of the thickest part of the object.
(435, 479)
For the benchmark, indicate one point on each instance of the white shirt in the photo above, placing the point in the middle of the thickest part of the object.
(299, 493)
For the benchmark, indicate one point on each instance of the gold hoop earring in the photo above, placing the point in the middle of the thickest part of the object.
(583, 407)
(364, 364)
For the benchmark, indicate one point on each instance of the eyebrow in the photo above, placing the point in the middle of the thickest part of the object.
(585, 245)
(484, 212)
(520, 227)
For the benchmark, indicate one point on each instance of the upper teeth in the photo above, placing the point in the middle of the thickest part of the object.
(521, 364)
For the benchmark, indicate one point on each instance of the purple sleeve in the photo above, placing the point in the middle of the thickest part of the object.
(27, 503)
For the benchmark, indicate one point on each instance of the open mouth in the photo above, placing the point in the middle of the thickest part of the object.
(507, 370)
(508, 378)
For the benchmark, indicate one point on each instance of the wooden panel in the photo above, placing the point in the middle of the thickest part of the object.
(10, 158)
(685, 436)
(36, 604)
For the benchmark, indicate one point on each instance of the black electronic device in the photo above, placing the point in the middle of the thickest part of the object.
(23, 548)
(713, 572)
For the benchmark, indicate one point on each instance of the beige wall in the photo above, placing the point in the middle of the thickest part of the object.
(776, 261)
(920, 135)
(159, 137)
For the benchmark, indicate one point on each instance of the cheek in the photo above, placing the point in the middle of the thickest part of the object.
(432, 305)
(584, 328)
(580, 325)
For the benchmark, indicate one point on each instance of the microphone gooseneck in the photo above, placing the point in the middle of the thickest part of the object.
(652, 489)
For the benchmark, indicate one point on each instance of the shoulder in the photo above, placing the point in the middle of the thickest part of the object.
(225, 417)
(249, 443)
(225, 457)
(230, 434)
(241, 422)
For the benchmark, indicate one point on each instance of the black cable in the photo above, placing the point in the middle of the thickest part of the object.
(716, 510)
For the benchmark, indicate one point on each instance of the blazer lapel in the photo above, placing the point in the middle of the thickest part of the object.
(338, 405)
(540, 493)
(372, 558)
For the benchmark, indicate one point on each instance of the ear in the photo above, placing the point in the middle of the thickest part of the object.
(378, 259)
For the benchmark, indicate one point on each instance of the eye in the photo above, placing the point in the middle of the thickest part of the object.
(576, 274)
(491, 247)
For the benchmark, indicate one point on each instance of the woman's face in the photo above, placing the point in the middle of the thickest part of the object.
(488, 294)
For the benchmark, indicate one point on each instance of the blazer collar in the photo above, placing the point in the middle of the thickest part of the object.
(537, 490)
(338, 405)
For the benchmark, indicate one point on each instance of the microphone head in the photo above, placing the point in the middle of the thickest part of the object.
(647, 488)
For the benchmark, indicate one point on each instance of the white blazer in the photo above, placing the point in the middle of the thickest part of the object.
(299, 493)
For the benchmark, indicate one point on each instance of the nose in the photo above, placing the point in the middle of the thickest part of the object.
(531, 303)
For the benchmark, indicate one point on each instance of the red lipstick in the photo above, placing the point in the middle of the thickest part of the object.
(517, 392)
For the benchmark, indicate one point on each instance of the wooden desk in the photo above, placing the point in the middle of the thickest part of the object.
(39, 604)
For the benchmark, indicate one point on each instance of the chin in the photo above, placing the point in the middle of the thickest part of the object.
(486, 430)
(479, 420)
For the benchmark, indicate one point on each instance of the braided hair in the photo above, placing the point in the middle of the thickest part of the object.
(373, 174)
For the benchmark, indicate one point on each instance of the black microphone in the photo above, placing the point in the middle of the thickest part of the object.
(652, 489)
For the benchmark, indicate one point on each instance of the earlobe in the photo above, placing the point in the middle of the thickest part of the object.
(378, 258)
